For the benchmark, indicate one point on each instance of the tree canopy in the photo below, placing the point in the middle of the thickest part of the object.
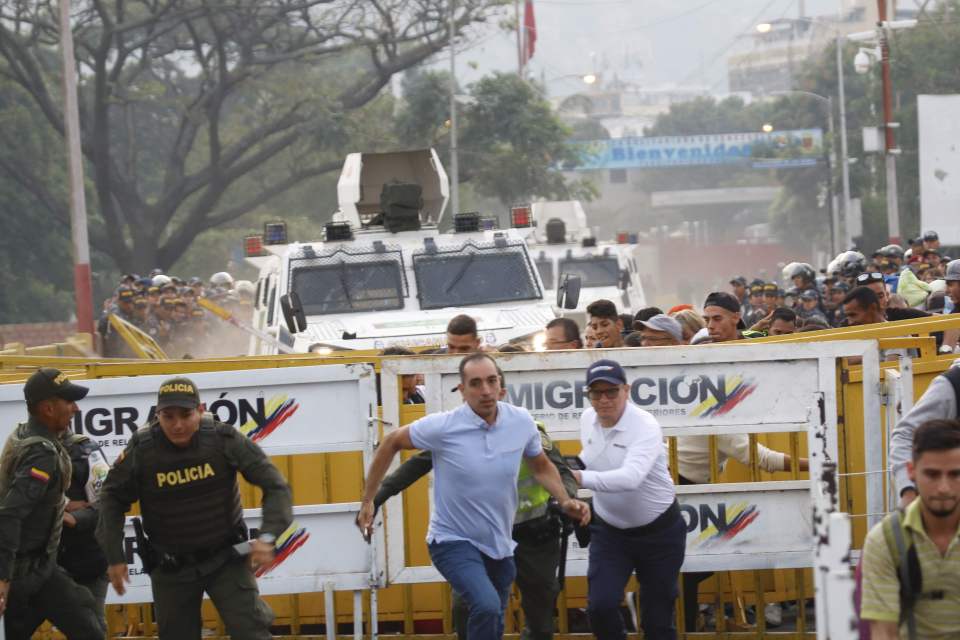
(510, 141)
(183, 100)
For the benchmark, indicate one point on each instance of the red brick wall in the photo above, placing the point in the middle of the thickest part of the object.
(36, 334)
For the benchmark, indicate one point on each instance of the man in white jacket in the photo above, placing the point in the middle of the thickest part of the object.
(637, 526)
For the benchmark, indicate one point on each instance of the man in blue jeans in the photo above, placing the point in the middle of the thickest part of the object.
(477, 449)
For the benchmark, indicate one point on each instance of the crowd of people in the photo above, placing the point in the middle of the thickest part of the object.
(910, 283)
(853, 290)
(166, 308)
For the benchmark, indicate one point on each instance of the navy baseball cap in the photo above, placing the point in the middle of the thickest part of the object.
(607, 371)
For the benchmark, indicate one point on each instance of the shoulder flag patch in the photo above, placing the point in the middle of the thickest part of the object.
(37, 474)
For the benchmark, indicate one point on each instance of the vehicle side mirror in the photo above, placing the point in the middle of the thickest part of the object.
(293, 312)
(624, 279)
(568, 293)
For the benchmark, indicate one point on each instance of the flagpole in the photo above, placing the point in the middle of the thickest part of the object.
(516, 8)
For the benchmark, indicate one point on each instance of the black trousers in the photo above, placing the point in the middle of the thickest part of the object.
(46, 592)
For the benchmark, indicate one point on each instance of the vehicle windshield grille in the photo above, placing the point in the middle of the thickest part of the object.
(349, 280)
(594, 271)
(545, 267)
(473, 274)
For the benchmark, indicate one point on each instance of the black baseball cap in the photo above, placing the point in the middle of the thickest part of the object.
(724, 300)
(607, 371)
(178, 392)
(740, 280)
(51, 383)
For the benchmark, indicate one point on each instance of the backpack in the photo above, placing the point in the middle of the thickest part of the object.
(953, 376)
(904, 553)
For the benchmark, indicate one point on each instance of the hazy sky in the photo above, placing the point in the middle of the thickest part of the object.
(657, 42)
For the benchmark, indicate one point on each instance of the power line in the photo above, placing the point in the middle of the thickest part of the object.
(719, 54)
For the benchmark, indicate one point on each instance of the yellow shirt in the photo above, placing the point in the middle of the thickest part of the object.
(937, 610)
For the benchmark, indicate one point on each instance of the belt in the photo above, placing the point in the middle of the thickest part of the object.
(663, 521)
(189, 558)
(537, 530)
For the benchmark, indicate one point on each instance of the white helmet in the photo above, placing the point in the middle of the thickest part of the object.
(159, 280)
(953, 271)
(244, 288)
(222, 279)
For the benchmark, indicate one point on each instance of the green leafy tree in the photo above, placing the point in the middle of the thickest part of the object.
(923, 61)
(35, 266)
(183, 100)
(509, 143)
(513, 143)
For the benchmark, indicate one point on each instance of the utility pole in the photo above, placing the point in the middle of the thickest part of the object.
(844, 156)
(82, 288)
(454, 161)
(834, 214)
(890, 148)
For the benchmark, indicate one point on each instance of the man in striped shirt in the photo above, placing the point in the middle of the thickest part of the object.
(931, 525)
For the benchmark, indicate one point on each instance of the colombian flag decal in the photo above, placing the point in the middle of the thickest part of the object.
(279, 408)
(37, 474)
(288, 542)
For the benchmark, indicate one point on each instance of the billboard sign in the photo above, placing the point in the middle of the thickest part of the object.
(774, 150)
(939, 148)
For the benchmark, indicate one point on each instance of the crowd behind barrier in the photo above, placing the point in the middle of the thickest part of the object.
(166, 309)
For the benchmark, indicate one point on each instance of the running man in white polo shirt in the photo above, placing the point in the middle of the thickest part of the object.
(477, 449)
(637, 526)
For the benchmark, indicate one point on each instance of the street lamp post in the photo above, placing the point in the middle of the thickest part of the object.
(840, 223)
(844, 157)
(835, 231)
(454, 160)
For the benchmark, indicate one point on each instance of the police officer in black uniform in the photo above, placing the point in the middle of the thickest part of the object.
(182, 467)
(35, 471)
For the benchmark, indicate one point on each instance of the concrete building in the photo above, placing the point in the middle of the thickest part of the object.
(777, 49)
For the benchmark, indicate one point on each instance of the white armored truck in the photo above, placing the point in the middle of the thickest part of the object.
(563, 245)
(384, 275)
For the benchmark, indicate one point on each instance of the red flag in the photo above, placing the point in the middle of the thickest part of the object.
(529, 32)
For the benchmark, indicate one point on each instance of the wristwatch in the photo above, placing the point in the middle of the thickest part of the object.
(267, 538)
